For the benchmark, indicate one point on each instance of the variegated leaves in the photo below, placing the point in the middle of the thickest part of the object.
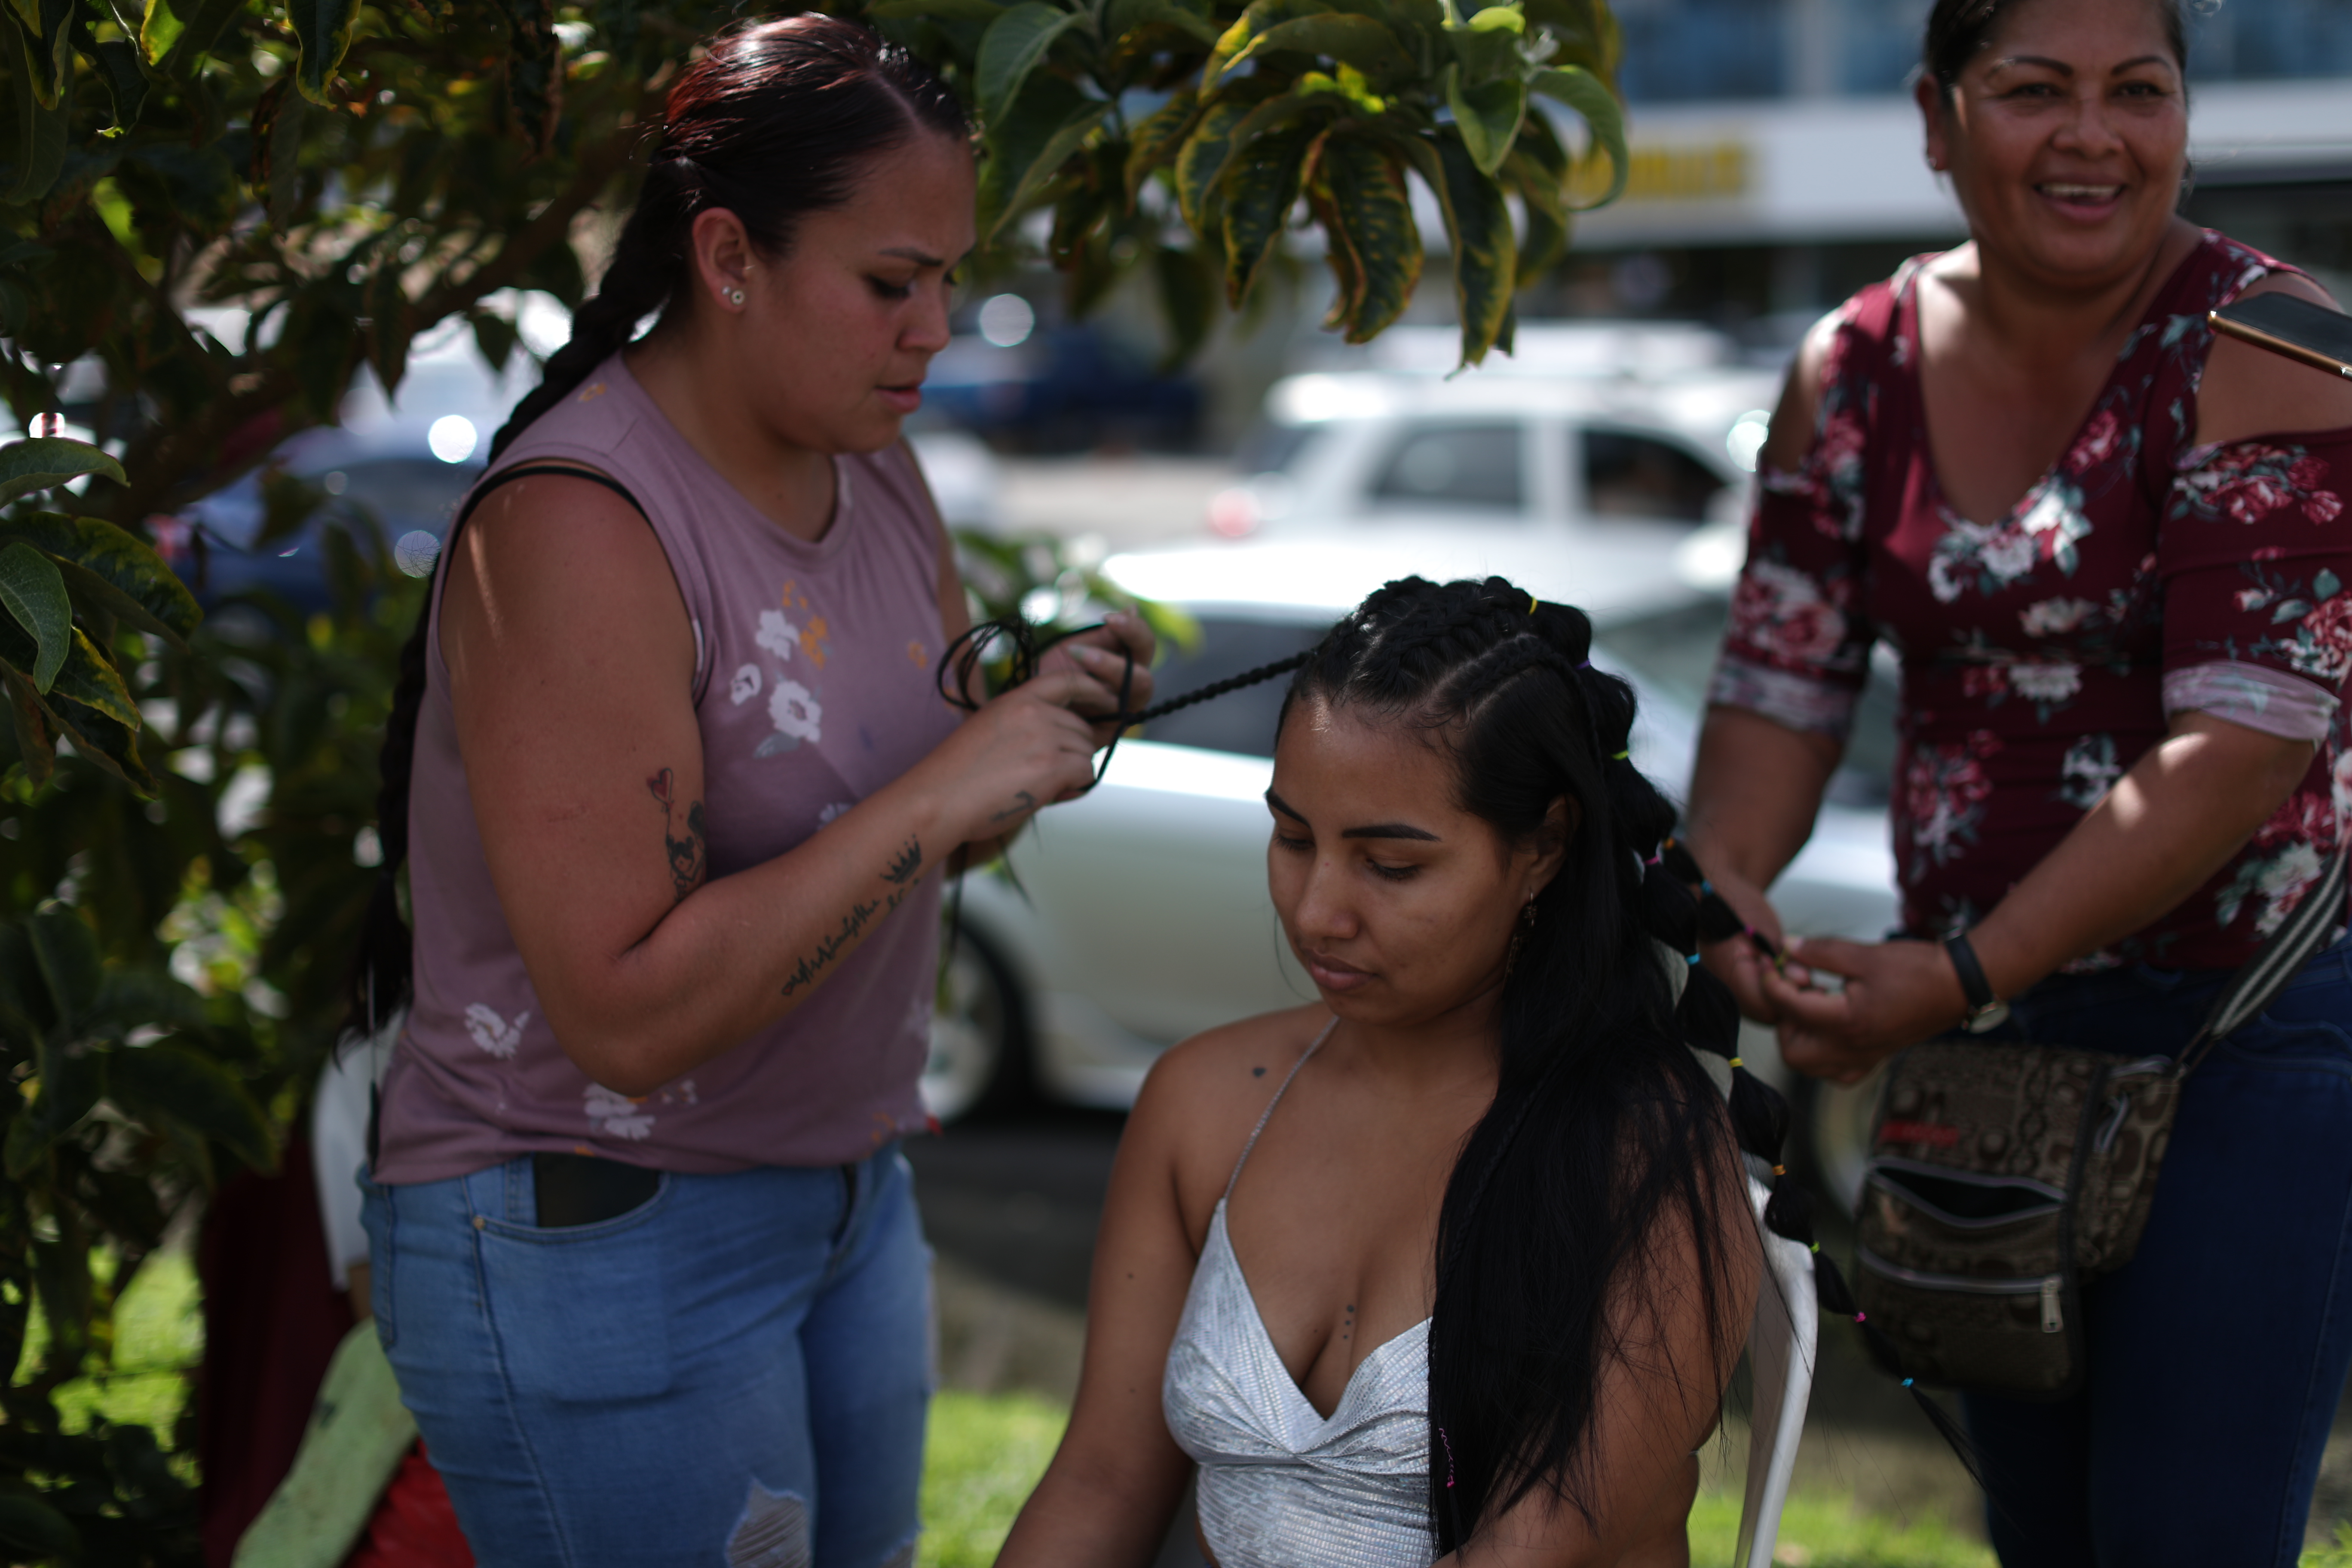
(1254, 111)
(58, 576)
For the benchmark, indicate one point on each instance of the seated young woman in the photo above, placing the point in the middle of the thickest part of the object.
(1452, 1265)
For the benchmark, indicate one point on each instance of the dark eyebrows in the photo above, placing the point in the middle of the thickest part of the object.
(1391, 830)
(910, 253)
(2063, 69)
(1377, 830)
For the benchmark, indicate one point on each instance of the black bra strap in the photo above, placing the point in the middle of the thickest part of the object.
(526, 471)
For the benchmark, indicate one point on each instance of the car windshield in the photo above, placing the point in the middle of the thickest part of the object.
(1271, 449)
(1674, 650)
(1242, 721)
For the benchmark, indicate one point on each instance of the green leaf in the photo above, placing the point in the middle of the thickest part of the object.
(1128, 15)
(1260, 17)
(1201, 162)
(49, 47)
(388, 325)
(36, 738)
(1158, 138)
(1188, 301)
(283, 141)
(122, 71)
(65, 952)
(1371, 214)
(161, 29)
(99, 738)
(35, 1529)
(47, 462)
(496, 336)
(172, 1079)
(1486, 258)
(90, 681)
(42, 129)
(1591, 98)
(324, 29)
(1489, 116)
(1545, 241)
(73, 1079)
(1030, 147)
(1359, 41)
(1260, 190)
(1010, 48)
(1500, 19)
(196, 25)
(116, 570)
(34, 592)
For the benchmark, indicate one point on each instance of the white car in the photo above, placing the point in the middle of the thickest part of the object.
(1639, 435)
(1139, 914)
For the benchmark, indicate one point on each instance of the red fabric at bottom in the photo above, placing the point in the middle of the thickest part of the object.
(413, 1525)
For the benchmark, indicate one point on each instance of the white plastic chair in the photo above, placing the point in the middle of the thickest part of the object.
(1782, 1346)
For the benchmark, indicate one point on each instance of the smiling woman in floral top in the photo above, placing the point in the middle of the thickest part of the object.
(2110, 550)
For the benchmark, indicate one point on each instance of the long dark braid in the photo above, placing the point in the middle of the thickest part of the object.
(776, 120)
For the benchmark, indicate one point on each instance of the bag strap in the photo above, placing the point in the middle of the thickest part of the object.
(2266, 974)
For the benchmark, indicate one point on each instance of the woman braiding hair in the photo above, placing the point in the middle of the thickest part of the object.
(671, 788)
(1459, 1256)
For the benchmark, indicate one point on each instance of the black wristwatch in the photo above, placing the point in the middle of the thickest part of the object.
(1985, 1010)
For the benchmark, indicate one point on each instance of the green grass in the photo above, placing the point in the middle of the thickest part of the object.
(985, 1453)
(1820, 1530)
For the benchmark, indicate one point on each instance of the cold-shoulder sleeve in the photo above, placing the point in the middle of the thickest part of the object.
(1797, 649)
(2255, 558)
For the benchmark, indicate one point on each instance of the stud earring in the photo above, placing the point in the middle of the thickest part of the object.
(735, 296)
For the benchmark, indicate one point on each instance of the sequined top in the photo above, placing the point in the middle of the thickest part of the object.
(1280, 1486)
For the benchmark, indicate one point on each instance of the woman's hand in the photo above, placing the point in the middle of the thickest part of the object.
(1737, 961)
(1897, 993)
(1105, 654)
(1025, 750)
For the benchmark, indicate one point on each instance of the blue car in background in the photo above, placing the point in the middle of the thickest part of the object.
(1056, 388)
(394, 469)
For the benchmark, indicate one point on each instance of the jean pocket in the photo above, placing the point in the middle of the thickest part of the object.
(582, 1312)
(2291, 1044)
(377, 1217)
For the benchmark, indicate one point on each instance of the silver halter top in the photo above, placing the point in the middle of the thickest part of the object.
(1281, 1487)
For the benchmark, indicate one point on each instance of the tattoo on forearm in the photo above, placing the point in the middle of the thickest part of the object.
(687, 859)
(903, 873)
(1022, 801)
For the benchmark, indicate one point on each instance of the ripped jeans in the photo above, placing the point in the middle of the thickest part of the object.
(733, 1374)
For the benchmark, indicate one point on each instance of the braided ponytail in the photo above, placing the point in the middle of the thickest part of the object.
(776, 120)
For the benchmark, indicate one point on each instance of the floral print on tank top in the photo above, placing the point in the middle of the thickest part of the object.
(2142, 575)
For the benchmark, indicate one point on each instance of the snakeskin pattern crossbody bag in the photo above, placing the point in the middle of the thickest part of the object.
(2003, 1178)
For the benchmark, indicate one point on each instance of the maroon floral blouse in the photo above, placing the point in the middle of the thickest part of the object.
(2043, 654)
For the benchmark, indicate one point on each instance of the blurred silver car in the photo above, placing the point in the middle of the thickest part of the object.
(1140, 914)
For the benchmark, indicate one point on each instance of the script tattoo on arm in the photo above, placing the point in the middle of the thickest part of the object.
(687, 860)
(903, 873)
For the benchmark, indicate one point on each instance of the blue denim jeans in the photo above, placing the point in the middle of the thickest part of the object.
(2218, 1352)
(734, 1375)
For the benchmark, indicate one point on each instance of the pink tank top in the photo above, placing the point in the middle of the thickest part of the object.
(812, 689)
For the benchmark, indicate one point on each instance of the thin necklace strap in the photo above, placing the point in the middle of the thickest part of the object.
(1313, 1046)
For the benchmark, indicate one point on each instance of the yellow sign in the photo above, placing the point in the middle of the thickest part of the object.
(1712, 171)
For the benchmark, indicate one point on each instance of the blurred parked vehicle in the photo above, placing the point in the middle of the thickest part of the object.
(401, 465)
(1139, 914)
(1065, 388)
(1608, 438)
